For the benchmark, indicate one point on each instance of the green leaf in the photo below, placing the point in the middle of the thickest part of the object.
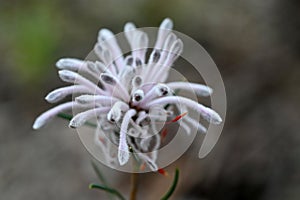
(173, 186)
(69, 117)
(101, 178)
(107, 189)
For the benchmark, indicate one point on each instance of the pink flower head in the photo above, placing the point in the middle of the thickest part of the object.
(130, 87)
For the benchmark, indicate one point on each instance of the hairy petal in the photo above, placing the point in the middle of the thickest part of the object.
(114, 115)
(123, 153)
(207, 113)
(79, 119)
(61, 93)
(199, 89)
(72, 64)
(49, 114)
(73, 77)
(96, 99)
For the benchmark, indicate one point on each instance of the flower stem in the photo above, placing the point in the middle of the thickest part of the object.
(134, 186)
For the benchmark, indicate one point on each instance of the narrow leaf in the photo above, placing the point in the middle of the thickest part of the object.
(173, 186)
(101, 178)
(107, 189)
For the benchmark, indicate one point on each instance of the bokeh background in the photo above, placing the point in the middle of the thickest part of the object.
(254, 43)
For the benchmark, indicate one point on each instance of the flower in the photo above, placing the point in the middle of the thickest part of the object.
(132, 98)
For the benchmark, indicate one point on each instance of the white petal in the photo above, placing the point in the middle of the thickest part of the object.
(212, 116)
(129, 60)
(137, 81)
(119, 90)
(67, 76)
(162, 90)
(173, 53)
(169, 41)
(138, 95)
(129, 26)
(70, 64)
(108, 39)
(91, 99)
(133, 132)
(126, 75)
(142, 40)
(123, 157)
(73, 77)
(123, 154)
(199, 89)
(60, 93)
(129, 30)
(93, 68)
(114, 115)
(207, 113)
(55, 96)
(141, 116)
(39, 122)
(166, 24)
(185, 127)
(195, 123)
(145, 143)
(108, 78)
(79, 119)
(49, 114)
(115, 112)
(164, 30)
(105, 34)
(155, 56)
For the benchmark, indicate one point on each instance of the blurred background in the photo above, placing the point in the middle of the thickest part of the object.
(256, 46)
